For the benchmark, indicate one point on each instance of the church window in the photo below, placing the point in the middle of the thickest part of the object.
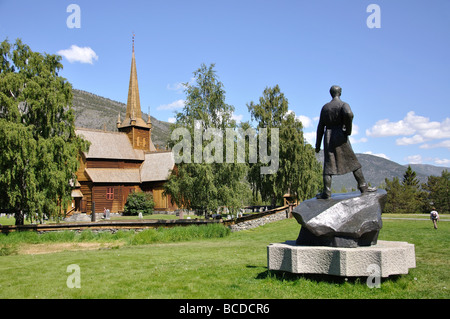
(110, 193)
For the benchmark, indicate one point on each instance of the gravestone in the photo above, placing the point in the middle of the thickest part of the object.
(140, 215)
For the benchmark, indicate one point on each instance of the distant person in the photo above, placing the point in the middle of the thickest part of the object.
(434, 216)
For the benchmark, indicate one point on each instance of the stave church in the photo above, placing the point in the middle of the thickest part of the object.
(122, 162)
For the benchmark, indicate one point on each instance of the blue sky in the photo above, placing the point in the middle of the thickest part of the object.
(396, 78)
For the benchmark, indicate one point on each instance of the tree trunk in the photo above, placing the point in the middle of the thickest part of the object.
(18, 215)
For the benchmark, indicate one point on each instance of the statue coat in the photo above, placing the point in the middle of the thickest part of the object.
(335, 125)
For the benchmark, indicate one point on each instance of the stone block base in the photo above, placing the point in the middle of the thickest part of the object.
(392, 258)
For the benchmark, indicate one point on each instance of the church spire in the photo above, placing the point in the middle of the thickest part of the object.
(138, 131)
(133, 102)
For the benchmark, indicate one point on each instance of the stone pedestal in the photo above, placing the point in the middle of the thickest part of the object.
(392, 258)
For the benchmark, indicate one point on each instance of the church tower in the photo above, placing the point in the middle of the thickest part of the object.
(138, 131)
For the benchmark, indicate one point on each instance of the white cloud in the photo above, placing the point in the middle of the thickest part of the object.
(290, 112)
(444, 161)
(414, 159)
(171, 120)
(415, 129)
(416, 139)
(306, 121)
(178, 104)
(356, 141)
(176, 87)
(310, 137)
(377, 154)
(355, 131)
(77, 54)
(180, 86)
(443, 144)
(237, 118)
(385, 128)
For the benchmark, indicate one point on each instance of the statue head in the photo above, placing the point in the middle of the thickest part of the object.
(335, 90)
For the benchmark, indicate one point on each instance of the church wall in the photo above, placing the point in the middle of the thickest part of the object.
(86, 201)
(112, 197)
(162, 202)
(102, 163)
(139, 137)
(81, 173)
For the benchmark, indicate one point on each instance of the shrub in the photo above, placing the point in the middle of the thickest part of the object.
(139, 202)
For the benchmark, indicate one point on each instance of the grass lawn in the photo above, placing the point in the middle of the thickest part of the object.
(230, 267)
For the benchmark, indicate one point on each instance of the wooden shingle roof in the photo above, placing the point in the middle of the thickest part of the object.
(157, 166)
(114, 175)
(109, 145)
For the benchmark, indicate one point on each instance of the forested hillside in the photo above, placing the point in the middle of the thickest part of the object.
(97, 112)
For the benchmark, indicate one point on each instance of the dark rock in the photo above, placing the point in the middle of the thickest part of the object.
(344, 220)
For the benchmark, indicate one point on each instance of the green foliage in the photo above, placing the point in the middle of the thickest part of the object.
(402, 198)
(18, 162)
(37, 134)
(201, 184)
(299, 172)
(205, 101)
(409, 178)
(437, 192)
(205, 186)
(139, 202)
(410, 197)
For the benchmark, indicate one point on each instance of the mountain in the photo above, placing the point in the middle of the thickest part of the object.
(376, 169)
(427, 170)
(97, 112)
(93, 111)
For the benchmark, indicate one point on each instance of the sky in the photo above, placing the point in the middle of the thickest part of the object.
(391, 59)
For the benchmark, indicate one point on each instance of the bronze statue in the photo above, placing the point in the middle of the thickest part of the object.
(335, 125)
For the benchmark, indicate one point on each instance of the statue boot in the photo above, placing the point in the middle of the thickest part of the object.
(362, 185)
(326, 193)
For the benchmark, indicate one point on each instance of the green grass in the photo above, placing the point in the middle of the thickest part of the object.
(233, 266)
(176, 234)
(9, 243)
(30, 237)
